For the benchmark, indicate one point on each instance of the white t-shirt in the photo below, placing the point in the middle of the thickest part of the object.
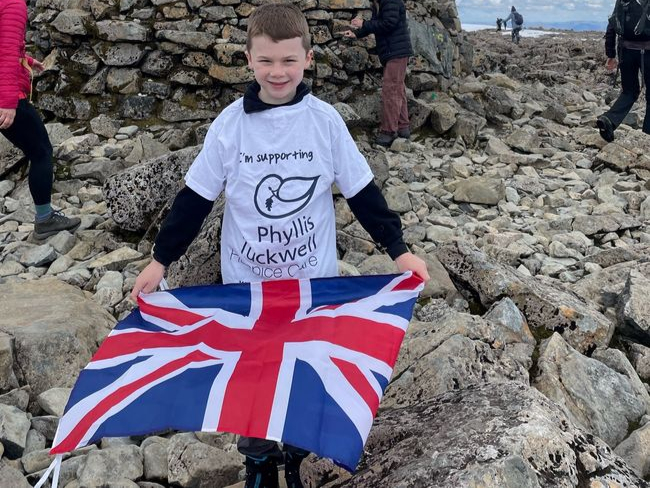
(277, 167)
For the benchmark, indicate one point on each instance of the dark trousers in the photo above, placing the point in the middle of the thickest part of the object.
(260, 448)
(630, 66)
(394, 107)
(28, 134)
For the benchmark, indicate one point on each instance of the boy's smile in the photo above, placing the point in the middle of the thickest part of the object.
(278, 67)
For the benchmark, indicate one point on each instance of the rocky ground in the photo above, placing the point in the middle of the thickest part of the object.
(527, 363)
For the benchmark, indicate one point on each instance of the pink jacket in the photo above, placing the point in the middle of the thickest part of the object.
(14, 78)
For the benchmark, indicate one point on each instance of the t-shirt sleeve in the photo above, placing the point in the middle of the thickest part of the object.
(206, 175)
(351, 170)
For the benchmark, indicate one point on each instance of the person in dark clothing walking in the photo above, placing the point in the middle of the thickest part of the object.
(634, 57)
(517, 22)
(390, 27)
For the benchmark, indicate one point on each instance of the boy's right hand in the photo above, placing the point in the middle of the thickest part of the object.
(148, 279)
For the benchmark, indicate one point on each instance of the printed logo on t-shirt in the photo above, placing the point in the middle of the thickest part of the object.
(281, 246)
(276, 197)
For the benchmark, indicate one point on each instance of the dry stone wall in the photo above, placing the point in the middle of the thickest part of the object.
(182, 60)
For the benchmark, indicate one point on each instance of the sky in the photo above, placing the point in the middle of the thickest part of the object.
(487, 11)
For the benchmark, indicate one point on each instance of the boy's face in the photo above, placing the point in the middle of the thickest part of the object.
(278, 67)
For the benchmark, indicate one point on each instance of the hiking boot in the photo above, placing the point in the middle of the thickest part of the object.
(404, 133)
(56, 222)
(292, 470)
(606, 128)
(384, 139)
(261, 473)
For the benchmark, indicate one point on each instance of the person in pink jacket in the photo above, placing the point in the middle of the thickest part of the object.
(20, 122)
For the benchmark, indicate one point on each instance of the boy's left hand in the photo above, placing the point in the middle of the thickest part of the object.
(410, 262)
(356, 22)
(349, 33)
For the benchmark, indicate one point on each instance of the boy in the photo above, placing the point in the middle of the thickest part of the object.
(276, 153)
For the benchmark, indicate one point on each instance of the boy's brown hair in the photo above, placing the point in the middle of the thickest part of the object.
(279, 21)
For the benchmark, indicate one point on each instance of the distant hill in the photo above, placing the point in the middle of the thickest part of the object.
(576, 25)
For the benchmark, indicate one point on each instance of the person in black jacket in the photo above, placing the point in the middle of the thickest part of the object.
(389, 25)
(634, 57)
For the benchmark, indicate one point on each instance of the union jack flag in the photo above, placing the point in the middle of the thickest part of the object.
(303, 361)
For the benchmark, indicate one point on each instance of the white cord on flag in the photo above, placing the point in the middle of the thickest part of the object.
(54, 465)
(57, 470)
(163, 285)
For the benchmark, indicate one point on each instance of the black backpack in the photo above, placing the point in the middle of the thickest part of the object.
(518, 18)
(630, 18)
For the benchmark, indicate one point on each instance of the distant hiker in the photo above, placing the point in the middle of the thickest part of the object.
(517, 23)
(629, 25)
(20, 122)
(499, 22)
